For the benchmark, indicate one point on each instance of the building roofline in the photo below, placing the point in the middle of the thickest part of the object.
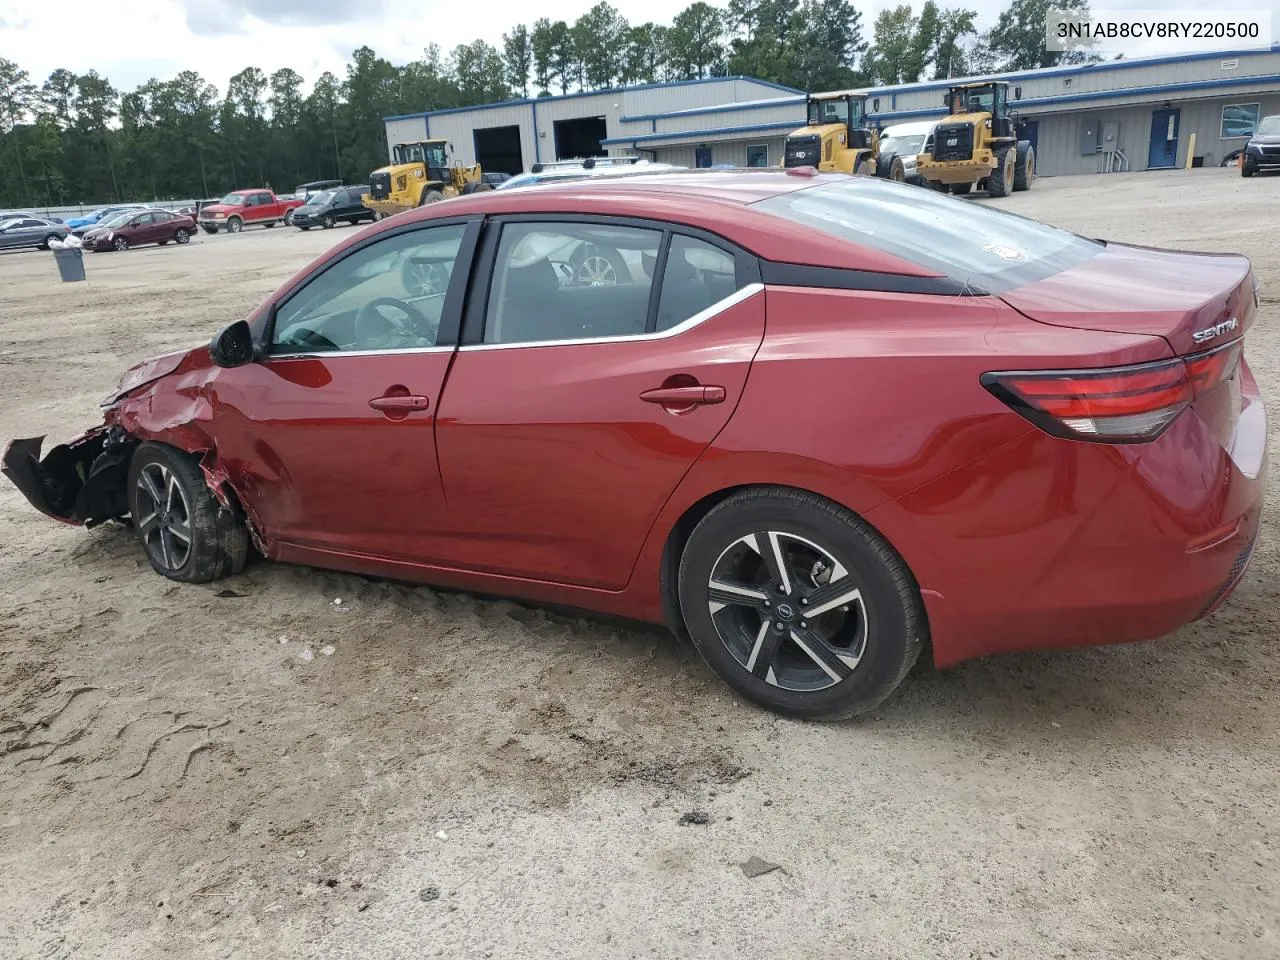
(1077, 69)
(718, 108)
(522, 101)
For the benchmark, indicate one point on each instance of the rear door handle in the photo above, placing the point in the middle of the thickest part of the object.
(681, 396)
(400, 403)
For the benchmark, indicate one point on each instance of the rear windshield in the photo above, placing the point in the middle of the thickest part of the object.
(973, 243)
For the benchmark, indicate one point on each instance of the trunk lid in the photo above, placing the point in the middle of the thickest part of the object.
(1194, 301)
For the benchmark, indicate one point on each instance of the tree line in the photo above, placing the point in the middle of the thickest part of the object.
(75, 138)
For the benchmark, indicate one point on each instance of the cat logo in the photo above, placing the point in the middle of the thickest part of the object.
(1208, 333)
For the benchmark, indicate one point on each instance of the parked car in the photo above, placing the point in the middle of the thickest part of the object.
(563, 172)
(79, 225)
(1263, 149)
(305, 191)
(900, 144)
(331, 207)
(242, 208)
(30, 232)
(136, 227)
(26, 214)
(816, 420)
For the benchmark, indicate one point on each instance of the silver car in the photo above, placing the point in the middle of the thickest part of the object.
(30, 232)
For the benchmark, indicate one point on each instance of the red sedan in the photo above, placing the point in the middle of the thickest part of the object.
(135, 227)
(808, 420)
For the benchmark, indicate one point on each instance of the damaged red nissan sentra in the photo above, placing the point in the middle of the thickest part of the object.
(810, 421)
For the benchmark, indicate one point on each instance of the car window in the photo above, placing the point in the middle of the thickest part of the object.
(354, 196)
(972, 243)
(386, 296)
(31, 223)
(569, 281)
(697, 275)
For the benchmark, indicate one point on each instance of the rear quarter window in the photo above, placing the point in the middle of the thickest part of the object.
(972, 243)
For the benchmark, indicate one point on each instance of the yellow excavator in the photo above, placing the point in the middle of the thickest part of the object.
(835, 138)
(419, 174)
(979, 143)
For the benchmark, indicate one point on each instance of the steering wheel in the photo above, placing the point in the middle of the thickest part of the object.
(372, 328)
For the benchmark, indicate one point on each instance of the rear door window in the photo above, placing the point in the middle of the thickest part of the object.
(697, 276)
(990, 249)
(555, 281)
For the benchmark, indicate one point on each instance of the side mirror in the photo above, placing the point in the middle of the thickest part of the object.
(233, 346)
(1017, 93)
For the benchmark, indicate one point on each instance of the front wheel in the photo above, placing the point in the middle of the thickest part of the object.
(1247, 171)
(1000, 180)
(1024, 171)
(120, 244)
(235, 225)
(378, 215)
(187, 534)
(327, 221)
(798, 604)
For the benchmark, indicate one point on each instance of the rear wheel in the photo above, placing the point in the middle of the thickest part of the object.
(798, 604)
(1000, 180)
(185, 532)
(1024, 171)
(288, 218)
(182, 235)
(235, 225)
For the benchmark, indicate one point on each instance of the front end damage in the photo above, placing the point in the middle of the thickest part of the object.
(82, 482)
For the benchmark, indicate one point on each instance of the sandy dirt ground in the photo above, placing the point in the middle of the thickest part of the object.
(454, 777)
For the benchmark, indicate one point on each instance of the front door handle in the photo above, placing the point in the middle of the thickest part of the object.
(683, 396)
(400, 403)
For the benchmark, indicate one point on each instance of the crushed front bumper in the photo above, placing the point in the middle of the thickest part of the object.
(81, 482)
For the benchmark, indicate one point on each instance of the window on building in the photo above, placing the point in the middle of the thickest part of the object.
(702, 157)
(757, 155)
(1239, 120)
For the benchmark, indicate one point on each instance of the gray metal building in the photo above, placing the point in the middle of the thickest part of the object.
(1119, 115)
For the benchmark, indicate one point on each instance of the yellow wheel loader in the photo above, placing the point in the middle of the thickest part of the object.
(978, 143)
(836, 138)
(419, 174)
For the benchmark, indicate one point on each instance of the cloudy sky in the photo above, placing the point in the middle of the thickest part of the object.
(130, 41)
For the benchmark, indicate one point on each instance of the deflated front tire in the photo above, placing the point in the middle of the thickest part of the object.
(187, 534)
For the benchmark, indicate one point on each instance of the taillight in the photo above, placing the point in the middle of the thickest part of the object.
(1132, 404)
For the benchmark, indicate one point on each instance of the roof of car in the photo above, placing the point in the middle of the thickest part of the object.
(718, 201)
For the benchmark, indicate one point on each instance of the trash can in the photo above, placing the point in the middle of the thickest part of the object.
(70, 263)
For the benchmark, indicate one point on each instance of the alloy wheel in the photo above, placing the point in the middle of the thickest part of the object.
(788, 611)
(596, 271)
(425, 279)
(164, 517)
(121, 244)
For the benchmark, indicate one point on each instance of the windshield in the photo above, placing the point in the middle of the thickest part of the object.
(990, 249)
(1269, 126)
(846, 110)
(979, 100)
(431, 154)
(232, 200)
(902, 146)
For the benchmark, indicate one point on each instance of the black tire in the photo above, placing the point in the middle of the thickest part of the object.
(45, 243)
(182, 235)
(235, 225)
(327, 221)
(884, 162)
(288, 218)
(1247, 171)
(217, 539)
(898, 171)
(1024, 166)
(865, 645)
(960, 189)
(1000, 180)
(429, 196)
(378, 216)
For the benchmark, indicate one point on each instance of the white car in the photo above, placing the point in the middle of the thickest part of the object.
(903, 142)
(562, 171)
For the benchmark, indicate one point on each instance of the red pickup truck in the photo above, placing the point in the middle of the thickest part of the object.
(241, 208)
